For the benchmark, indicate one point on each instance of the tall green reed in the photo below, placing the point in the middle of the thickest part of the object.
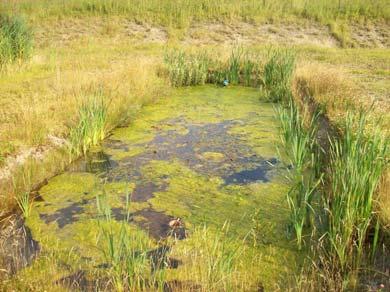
(92, 124)
(126, 251)
(277, 78)
(298, 139)
(185, 69)
(213, 258)
(15, 40)
(358, 160)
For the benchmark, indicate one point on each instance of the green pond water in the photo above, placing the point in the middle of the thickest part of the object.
(207, 155)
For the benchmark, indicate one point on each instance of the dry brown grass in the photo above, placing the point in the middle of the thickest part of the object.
(383, 201)
(330, 87)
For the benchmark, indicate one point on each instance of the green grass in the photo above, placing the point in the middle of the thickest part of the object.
(186, 69)
(15, 40)
(125, 252)
(92, 124)
(198, 68)
(181, 13)
(299, 143)
(278, 72)
(358, 160)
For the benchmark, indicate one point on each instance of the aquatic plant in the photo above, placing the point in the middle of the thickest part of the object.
(15, 40)
(91, 126)
(24, 203)
(125, 251)
(234, 65)
(278, 73)
(299, 141)
(186, 69)
(212, 258)
(358, 160)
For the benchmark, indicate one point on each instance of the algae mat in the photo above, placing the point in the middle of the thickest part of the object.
(206, 155)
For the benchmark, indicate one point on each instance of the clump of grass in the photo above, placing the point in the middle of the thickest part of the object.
(241, 68)
(340, 31)
(299, 139)
(15, 40)
(358, 160)
(278, 73)
(126, 252)
(185, 69)
(91, 127)
(24, 203)
(212, 259)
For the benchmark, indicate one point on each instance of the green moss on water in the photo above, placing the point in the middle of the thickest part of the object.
(212, 156)
(119, 154)
(256, 213)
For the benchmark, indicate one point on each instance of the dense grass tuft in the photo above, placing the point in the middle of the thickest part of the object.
(240, 68)
(299, 141)
(91, 127)
(187, 69)
(278, 73)
(358, 160)
(15, 40)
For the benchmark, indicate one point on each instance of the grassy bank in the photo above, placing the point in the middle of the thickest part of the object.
(48, 102)
(182, 12)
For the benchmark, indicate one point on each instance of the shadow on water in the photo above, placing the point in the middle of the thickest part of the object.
(93, 162)
(64, 216)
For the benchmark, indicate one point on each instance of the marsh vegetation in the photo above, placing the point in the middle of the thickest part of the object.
(271, 161)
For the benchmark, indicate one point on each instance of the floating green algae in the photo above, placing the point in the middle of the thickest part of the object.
(206, 155)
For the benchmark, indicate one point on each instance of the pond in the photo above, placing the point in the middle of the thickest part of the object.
(206, 155)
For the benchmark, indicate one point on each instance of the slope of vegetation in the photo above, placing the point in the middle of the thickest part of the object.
(183, 12)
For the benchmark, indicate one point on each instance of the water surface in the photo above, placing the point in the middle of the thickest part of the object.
(206, 155)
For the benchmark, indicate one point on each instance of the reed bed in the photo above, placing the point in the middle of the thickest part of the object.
(278, 73)
(186, 69)
(196, 68)
(298, 140)
(358, 160)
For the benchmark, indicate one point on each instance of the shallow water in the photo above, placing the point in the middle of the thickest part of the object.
(206, 155)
